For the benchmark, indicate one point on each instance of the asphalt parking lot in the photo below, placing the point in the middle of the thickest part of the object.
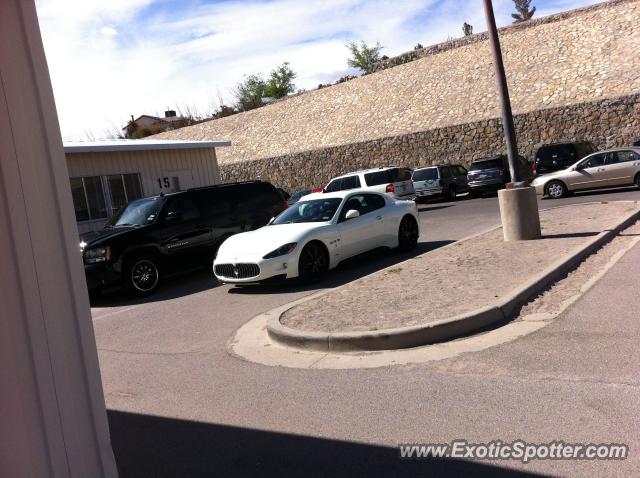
(180, 405)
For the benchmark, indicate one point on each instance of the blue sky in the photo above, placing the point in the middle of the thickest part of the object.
(112, 59)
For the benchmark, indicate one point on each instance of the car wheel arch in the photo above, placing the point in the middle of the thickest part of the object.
(554, 180)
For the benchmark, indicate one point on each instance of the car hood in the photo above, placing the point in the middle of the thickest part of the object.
(102, 235)
(266, 239)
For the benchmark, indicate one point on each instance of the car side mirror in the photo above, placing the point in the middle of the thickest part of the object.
(173, 216)
(352, 214)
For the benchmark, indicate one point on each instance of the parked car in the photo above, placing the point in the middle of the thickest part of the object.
(157, 235)
(615, 167)
(315, 235)
(295, 197)
(392, 180)
(440, 181)
(285, 195)
(555, 157)
(490, 174)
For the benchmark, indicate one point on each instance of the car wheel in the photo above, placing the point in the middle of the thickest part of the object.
(141, 275)
(556, 190)
(313, 262)
(638, 180)
(452, 193)
(407, 234)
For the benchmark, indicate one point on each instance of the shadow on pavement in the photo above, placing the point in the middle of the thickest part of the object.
(570, 234)
(148, 446)
(427, 207)
(347, 271)
(171, 288)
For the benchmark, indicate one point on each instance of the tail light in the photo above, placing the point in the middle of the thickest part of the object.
(317, 190)
(534, 168)
(390, 188)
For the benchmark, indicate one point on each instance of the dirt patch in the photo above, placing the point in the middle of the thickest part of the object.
(463, 277)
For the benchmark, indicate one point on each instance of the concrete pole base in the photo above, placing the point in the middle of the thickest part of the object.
(519, 213)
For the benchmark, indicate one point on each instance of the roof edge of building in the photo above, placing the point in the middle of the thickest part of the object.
(137, 145)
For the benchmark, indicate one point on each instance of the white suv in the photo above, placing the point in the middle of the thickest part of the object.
(392, 180)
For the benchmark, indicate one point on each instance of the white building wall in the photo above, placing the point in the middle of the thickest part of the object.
(158, 170)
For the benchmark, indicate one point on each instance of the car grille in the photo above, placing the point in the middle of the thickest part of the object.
(237, 271)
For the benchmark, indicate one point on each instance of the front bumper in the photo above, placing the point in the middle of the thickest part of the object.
(282, 267)
(101, 274)
(539, 189)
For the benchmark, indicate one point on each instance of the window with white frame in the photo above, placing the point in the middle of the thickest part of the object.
(99, 197)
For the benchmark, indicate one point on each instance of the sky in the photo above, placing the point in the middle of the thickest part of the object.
(110, 59)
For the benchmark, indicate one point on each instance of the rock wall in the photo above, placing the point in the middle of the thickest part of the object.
(607, 123)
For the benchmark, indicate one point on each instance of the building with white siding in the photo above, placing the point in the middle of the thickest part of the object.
(106, 175)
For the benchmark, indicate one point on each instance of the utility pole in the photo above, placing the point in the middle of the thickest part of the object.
(518, 203)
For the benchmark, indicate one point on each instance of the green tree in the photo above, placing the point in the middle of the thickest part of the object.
(524, 13)
(280, 82)
(363, 56)
(249, 92)
(467, 29)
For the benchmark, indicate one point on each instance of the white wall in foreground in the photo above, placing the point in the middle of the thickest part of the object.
(52, 411)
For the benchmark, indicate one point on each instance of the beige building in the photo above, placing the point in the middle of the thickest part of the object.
(106, 175)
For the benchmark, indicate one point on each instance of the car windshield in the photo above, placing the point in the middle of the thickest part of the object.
(486, 164)
(425, 174)
(316, 210)
(137, 213)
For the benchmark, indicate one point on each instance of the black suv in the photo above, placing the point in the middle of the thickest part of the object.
(554, 157)
(491, 174)
(161, 234)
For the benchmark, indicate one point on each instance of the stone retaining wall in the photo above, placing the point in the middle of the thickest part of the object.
(607, 123)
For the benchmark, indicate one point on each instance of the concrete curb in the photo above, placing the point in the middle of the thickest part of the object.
(438, 331)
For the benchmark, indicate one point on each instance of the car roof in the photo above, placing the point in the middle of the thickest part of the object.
(369, 170)
(613, 150)
(340, 194)
(489, 158)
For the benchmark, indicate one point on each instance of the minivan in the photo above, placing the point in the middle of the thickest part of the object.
(154, 236)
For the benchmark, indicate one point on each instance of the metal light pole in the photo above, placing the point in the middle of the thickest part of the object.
(518, 203)
(503, 91)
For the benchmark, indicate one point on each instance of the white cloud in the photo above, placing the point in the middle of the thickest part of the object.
(111, 59)
(109, 31)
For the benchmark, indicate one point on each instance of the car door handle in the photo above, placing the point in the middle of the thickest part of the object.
(379, 218)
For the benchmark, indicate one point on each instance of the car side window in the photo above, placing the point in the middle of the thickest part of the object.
(377, 178)
(213, 202)
(445, 172)
(342, 184)
(460, 171)
(620, 157)
(373, 202)
(594, 161)
(183, 206)
(363, 203)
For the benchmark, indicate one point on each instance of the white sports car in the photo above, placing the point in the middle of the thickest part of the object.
(315, 235)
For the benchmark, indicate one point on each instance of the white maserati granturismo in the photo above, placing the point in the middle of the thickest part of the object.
(315, 235)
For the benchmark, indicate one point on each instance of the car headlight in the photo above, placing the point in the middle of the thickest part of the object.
(97, 254)
(282, 250)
